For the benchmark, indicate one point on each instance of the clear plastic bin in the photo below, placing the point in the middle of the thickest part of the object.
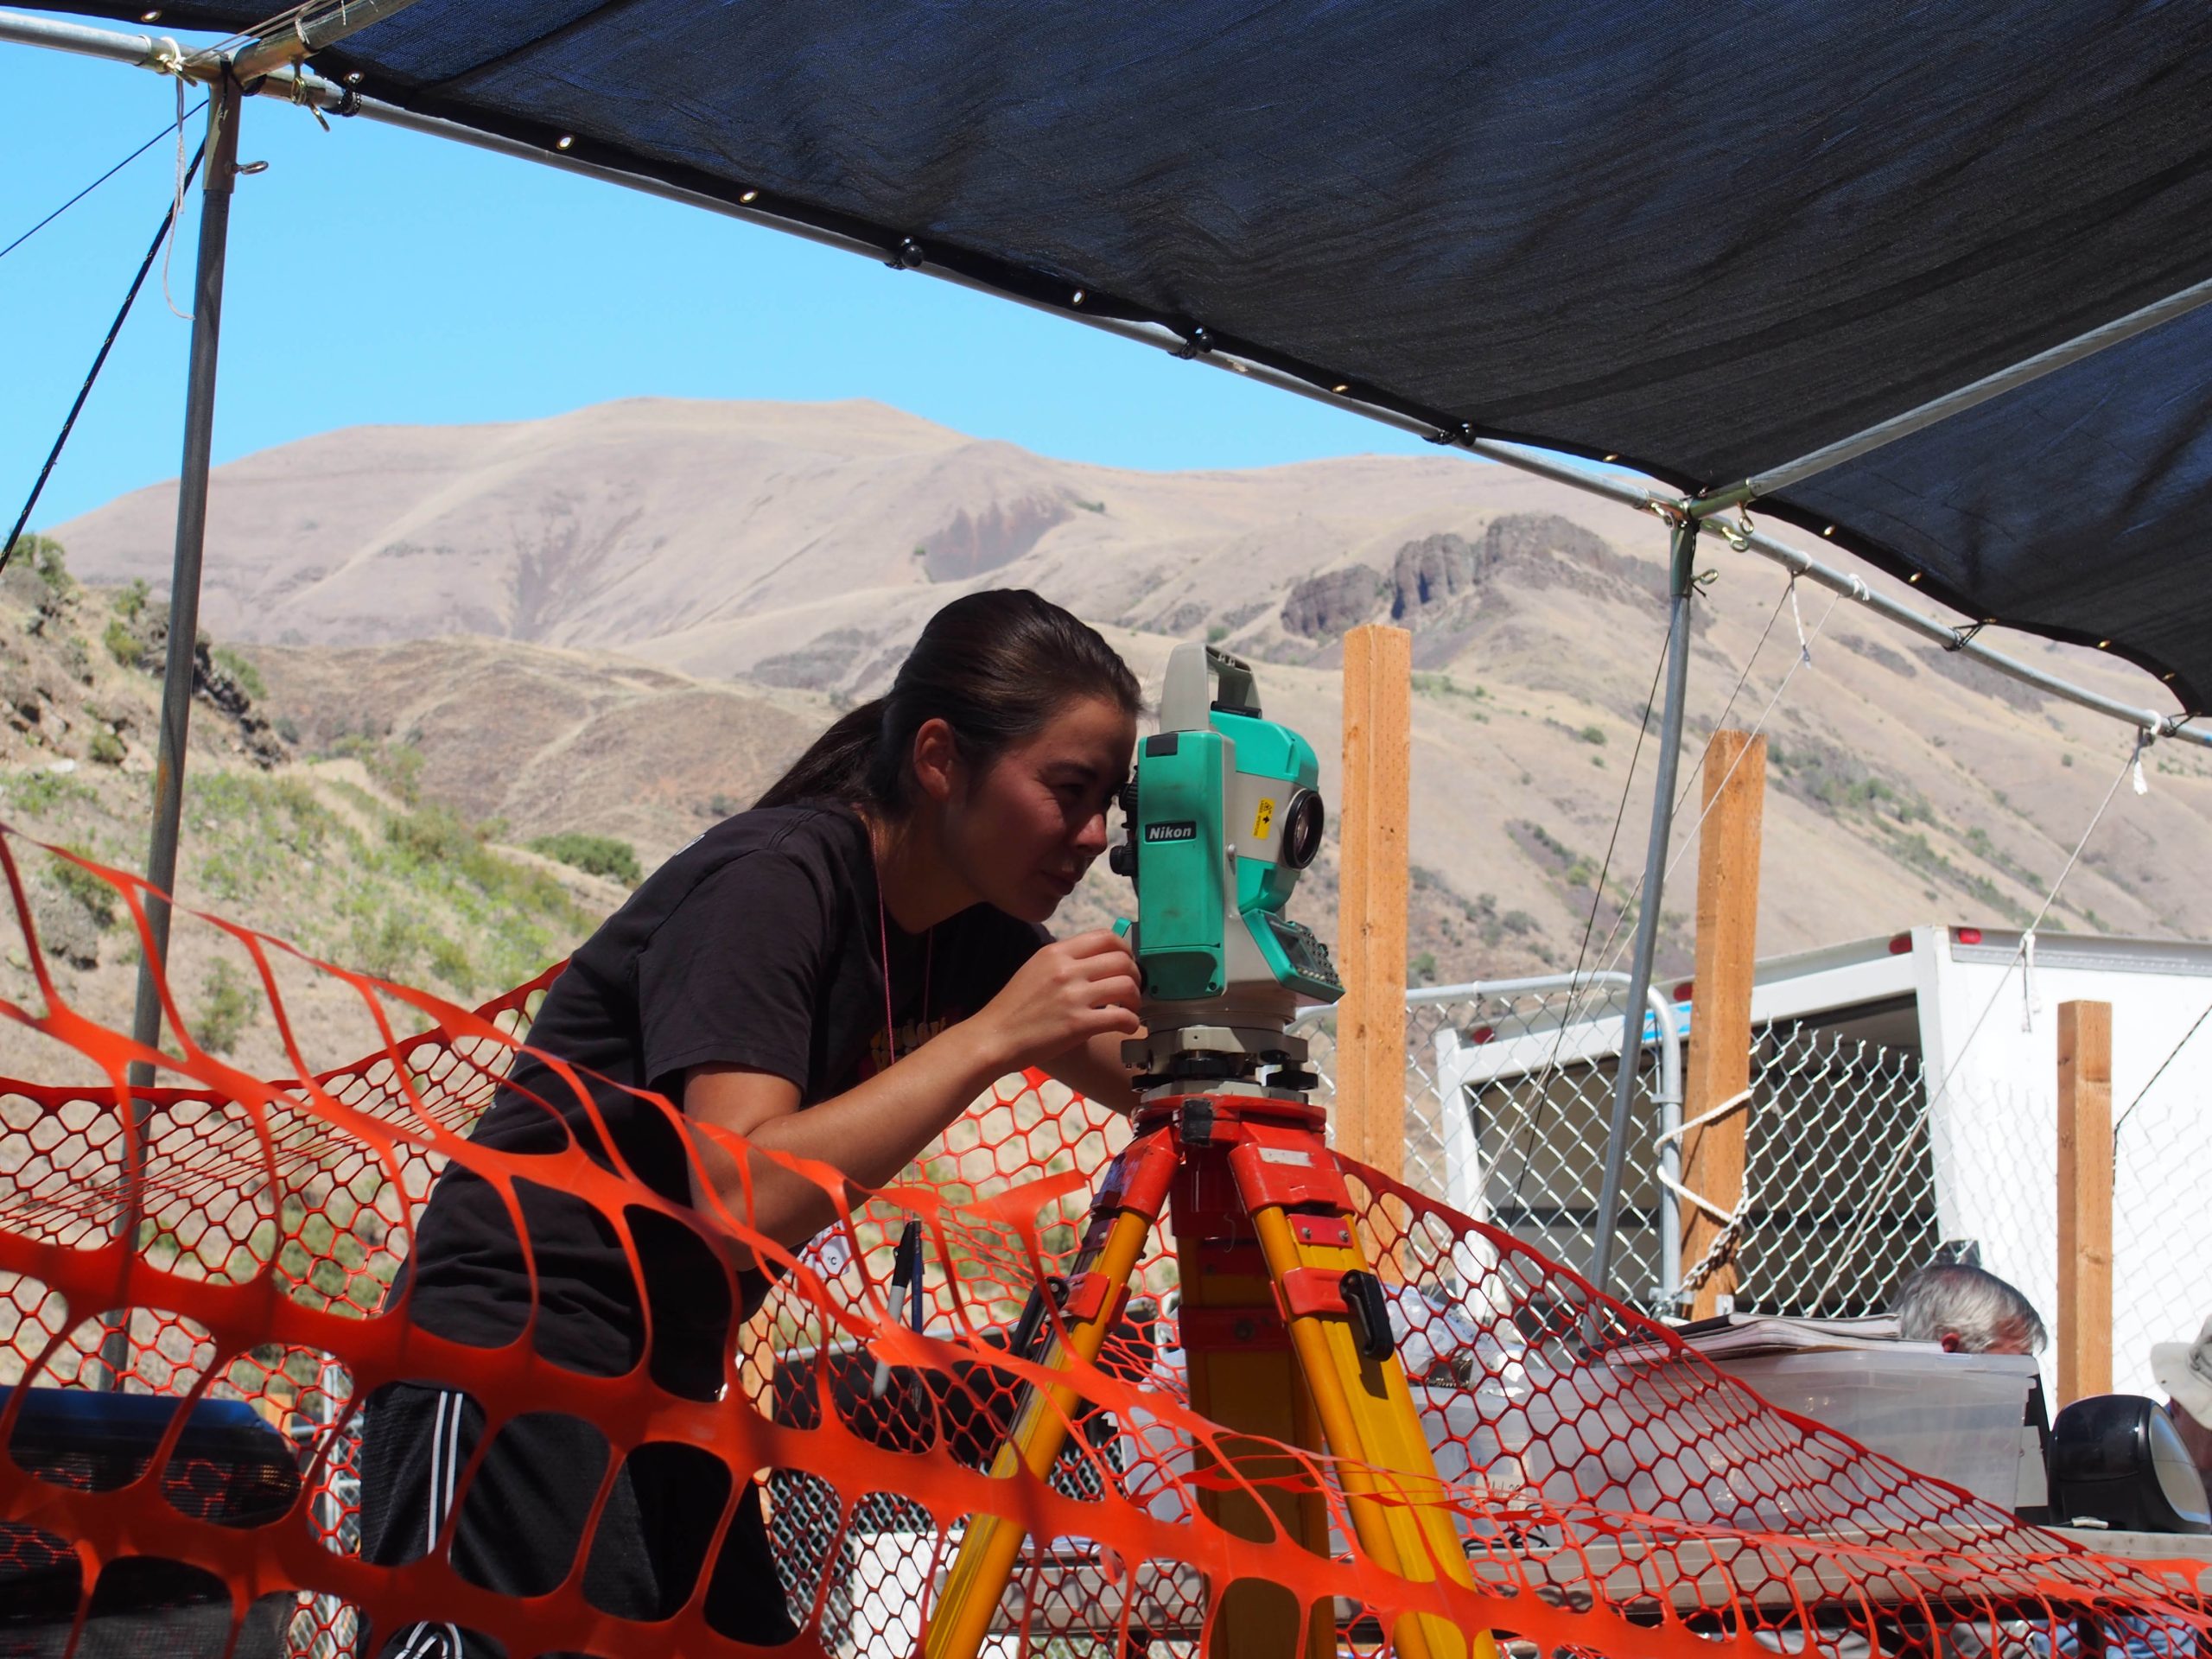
(1956, 1416)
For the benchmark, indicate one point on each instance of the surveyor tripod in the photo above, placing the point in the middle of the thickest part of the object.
(1286, 1331)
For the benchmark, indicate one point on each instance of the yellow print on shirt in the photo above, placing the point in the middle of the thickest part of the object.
(912, 1035)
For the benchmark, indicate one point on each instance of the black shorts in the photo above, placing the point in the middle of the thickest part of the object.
(521, 1522)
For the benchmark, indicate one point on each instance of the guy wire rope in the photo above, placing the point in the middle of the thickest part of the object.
(1958, 1057)
(1613, 935)
(1541, 1086)
(68, 424)
(1613, 940)
(1589, 926)
(167, 128)
(2171, 1056)
(1605, 1219)
(1614, 943)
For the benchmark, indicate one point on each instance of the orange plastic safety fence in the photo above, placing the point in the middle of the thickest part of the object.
(193, 1290)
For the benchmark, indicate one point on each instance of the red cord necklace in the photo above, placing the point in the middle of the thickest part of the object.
(883, 944)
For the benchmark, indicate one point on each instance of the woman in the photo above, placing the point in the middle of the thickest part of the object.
(836, 975)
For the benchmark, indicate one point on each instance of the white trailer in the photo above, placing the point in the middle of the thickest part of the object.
(1904, 1098)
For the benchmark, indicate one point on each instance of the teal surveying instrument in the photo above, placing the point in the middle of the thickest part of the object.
(1223, 812)
(1285, 1325)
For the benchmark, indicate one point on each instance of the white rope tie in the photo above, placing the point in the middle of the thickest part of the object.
(178, 219)
(1731, 1221)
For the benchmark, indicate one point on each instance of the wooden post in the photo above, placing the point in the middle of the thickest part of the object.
(1370, 1105)
(1719, 1064)
(2084, 1200)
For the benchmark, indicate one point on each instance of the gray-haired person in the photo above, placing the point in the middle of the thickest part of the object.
(1967, 1310)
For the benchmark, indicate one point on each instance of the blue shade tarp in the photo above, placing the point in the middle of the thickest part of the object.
(1708, 238)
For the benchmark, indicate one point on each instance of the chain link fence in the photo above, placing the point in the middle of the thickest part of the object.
(1839, 1171)
(1841, 1185)
(1529, 1067)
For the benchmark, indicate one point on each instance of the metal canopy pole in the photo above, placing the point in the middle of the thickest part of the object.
(1683, 557)
(1936, 409)
(183, 646)
(191, 542)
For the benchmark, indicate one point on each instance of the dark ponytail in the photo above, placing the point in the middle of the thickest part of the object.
(996, 667)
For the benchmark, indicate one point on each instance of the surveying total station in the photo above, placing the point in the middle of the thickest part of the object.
(1285, 1326)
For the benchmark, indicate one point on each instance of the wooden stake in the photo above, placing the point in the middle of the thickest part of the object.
(1719, 1064)
(1370, 1107)
(2084, 1200)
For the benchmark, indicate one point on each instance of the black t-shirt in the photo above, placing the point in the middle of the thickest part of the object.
(756, 945)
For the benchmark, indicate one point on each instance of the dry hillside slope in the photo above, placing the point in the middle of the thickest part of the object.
(623, 619)
(343, 853)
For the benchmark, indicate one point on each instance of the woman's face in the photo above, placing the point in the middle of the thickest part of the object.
(1020, 834)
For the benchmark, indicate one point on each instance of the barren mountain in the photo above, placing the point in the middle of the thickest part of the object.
(622, 621)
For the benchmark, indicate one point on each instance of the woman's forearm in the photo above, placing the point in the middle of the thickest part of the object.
(868, 1134)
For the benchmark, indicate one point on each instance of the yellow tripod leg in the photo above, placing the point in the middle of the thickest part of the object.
(1369, 1420)
(993, 1543)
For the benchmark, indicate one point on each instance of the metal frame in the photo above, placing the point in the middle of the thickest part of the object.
(271, 65)
(314, 91)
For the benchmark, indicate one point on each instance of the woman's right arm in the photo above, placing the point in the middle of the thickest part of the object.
(1066, 994)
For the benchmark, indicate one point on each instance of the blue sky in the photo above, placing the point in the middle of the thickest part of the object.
(377, 277)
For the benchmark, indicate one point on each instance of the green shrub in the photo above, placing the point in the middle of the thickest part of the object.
(41, 554)
(122, 643)
(30, 792)
(385, 948)
(1593, 734)
(91, 891)
(106, 748)
(228, 1005)
(435, 834)
(450, 964)
(247, 675)
(396, 766)
(1216, 634)
(131, 601)
(594, 855)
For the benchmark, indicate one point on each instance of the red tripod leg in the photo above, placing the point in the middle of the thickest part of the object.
(1245, 1377)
